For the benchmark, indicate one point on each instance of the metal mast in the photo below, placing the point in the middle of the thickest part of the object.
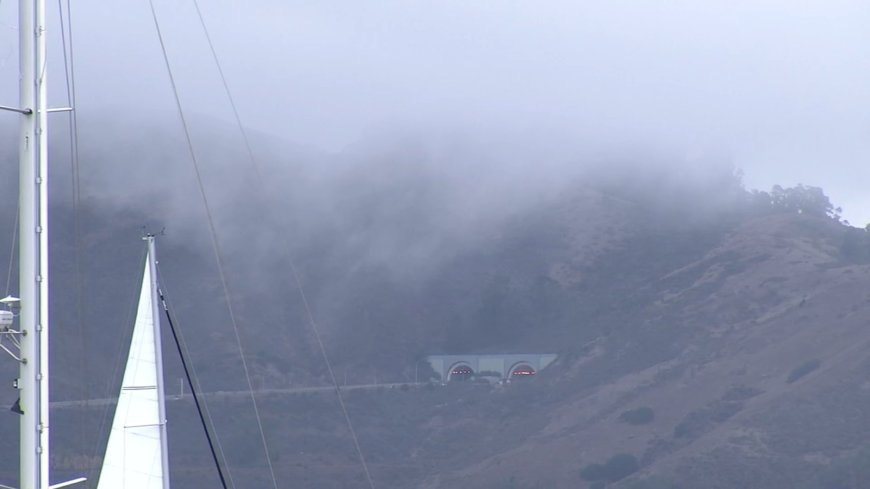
(31, 338)
(158, 354)
(33, 246)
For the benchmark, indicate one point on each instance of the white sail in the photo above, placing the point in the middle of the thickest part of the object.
(136, 453)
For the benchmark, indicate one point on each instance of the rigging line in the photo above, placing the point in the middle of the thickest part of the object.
(195, 382)
(12, 250)
(215, 245)
(73, 101)
(316, 329)
(192, 389)
(84, 364)
(71, 98)
(226, 85)
(296, 277)
(69, 68)
(65, 57)
(14, 242)
(74, 113)
(76, 173)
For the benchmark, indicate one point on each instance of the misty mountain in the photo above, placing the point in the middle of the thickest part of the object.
(728, 321)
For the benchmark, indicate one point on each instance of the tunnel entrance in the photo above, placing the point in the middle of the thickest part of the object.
(460, 372)
(522, 370)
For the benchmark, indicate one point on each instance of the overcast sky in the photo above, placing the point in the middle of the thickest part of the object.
(780, 87)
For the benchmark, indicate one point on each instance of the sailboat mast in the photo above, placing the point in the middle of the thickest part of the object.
(33, 248)
(158, 357)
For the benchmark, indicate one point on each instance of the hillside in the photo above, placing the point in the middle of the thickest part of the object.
(730, 323)
(769, 330)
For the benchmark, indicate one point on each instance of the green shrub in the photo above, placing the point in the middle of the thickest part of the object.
(804, 369)
(621, 466)
(616, 468)
(593, 472)
(641, 415)
(688, 427)
(702, 420)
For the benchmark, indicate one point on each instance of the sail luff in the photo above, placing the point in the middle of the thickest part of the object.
(158, 356)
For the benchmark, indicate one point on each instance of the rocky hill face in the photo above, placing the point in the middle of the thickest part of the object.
(764, 390)
(708, 336)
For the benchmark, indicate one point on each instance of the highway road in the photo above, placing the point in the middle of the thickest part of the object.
(231, 394)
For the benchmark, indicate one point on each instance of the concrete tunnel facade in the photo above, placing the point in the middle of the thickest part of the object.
(506, 366)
